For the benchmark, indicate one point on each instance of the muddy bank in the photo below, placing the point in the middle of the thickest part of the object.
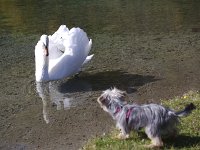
(64, 114)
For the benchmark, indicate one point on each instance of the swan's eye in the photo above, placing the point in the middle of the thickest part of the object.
(46, 51)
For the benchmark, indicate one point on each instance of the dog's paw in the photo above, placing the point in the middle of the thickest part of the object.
(152, 146)
(149, 146)
(122, 136)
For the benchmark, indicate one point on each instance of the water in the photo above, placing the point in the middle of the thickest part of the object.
(149, 48)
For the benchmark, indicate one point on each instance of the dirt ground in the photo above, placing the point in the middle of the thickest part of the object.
(64, 114)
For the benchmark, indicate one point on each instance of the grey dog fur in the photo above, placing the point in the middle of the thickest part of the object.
(157, 120)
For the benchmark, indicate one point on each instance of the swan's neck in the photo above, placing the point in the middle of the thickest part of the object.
(41, 72)
(41, 66)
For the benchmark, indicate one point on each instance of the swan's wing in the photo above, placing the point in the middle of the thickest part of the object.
(56, 47)
(88, 58)
(77, 46)
(60, 33)
(78, 41)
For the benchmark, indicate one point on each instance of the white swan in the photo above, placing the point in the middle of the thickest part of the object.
(62, 54)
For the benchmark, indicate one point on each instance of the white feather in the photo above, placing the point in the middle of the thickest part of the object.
(68, 51)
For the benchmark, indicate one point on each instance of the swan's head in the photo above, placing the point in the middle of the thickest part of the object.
(42, 59)
(45, 40)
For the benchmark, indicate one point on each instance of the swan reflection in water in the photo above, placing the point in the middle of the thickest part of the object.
(60, 94)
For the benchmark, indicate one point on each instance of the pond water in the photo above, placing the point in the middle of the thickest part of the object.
(149, 48)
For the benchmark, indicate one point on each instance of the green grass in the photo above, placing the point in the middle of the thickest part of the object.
(188, 137)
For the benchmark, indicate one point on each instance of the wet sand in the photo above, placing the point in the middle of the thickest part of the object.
(65, 114)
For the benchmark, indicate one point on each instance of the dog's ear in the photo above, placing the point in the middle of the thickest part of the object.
(103, 100)
(123, 95)
(116, 90)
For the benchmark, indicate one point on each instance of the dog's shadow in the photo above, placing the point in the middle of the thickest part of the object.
(103, 80)
(182, 141)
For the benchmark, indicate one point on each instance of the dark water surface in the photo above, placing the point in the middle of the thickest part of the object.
(149, 48)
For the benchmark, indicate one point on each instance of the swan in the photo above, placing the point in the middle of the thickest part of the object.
(62, 54)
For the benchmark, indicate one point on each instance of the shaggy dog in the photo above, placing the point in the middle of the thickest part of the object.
(158, 121)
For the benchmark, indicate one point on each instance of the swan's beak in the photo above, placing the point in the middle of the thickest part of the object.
(46, 51)
(45, 41)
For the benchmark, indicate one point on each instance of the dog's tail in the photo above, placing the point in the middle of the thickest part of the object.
(188, 109)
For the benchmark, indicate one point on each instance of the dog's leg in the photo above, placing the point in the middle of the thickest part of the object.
(123, 136)
(156, 141)
(118, 126)
(123, 132)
